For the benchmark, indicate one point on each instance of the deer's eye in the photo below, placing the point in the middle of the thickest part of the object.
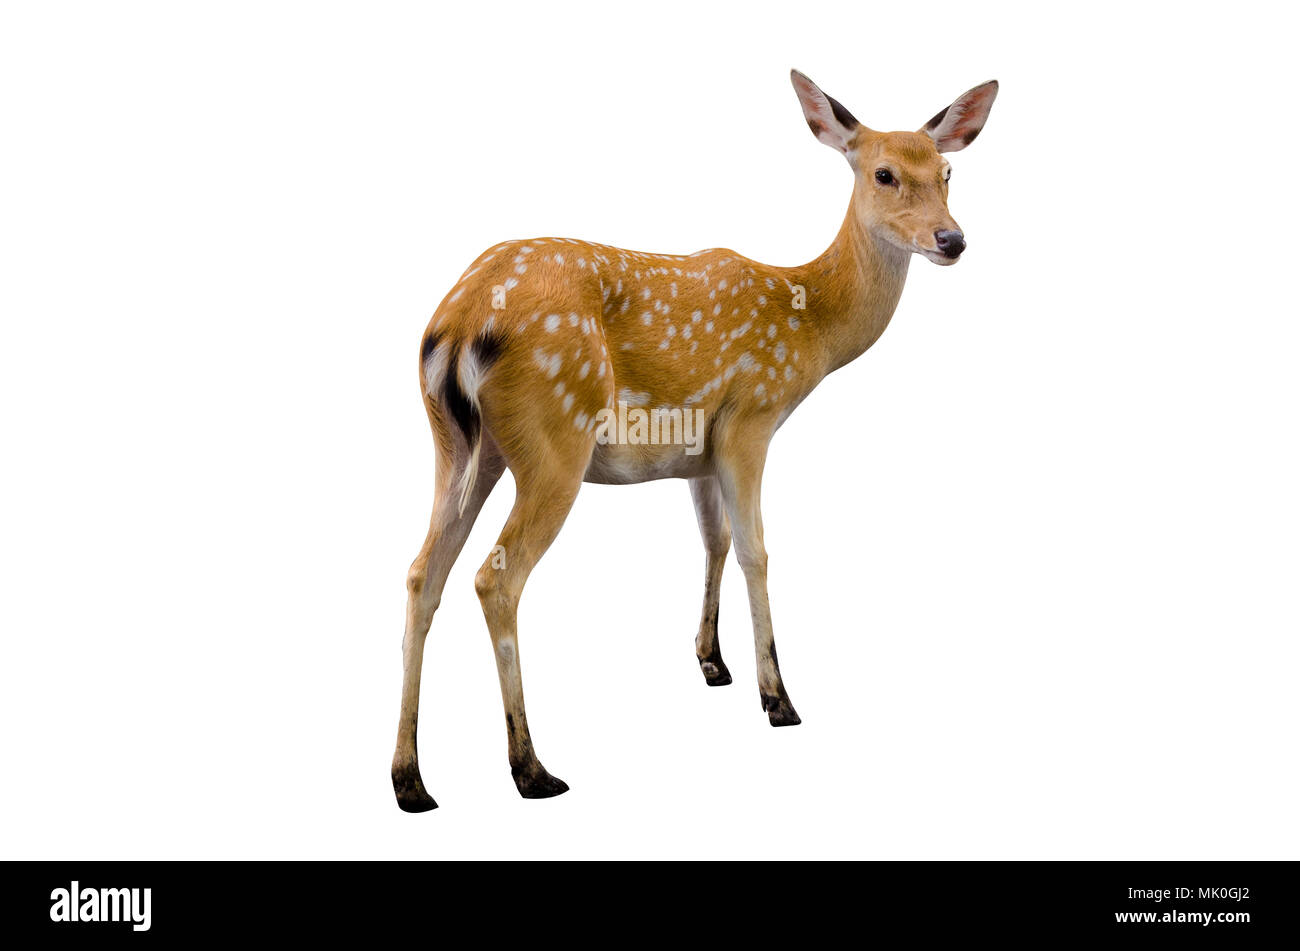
(947, 173)
(884, 176)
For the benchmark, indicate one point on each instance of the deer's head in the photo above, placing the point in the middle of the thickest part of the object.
(901, 188)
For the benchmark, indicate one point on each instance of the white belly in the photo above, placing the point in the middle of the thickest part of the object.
(622, 464)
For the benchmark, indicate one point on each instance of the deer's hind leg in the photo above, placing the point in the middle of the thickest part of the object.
(448, 529)
(547, 479)
(715, 530)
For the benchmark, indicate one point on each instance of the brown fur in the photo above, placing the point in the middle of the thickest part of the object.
(540, 336)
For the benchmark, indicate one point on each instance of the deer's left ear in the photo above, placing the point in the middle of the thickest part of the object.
(956, 127)
(830, 122)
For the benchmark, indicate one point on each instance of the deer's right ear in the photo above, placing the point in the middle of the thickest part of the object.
(830, 122)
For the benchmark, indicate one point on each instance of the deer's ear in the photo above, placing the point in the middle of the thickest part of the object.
(830, 122)
(955, 128)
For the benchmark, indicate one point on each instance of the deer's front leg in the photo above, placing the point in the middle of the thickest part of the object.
(740, 477)
(716, 533)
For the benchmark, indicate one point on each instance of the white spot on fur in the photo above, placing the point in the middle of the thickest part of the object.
(548, 362)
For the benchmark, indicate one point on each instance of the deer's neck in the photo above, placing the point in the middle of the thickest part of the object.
(853, 289)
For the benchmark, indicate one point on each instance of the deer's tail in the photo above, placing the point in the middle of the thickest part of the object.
(454, 371)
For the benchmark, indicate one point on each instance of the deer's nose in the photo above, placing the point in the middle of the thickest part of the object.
(951, 243)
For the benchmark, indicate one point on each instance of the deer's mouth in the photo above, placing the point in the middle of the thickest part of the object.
(938, 257)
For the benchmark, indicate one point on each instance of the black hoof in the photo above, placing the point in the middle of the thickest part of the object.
(423, 803)
(537, 783)
(780, 711)
(715, 672)
(410, 791)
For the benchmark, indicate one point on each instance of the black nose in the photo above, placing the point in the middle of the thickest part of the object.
(951, 243)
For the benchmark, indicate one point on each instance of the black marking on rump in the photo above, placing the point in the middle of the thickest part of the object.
(485, 349)
(427, 347)
(842, 115)
(458, 405)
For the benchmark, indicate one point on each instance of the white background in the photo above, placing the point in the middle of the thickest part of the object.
(1033, 558)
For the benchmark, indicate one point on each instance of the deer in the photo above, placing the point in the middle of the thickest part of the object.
(562, 360)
